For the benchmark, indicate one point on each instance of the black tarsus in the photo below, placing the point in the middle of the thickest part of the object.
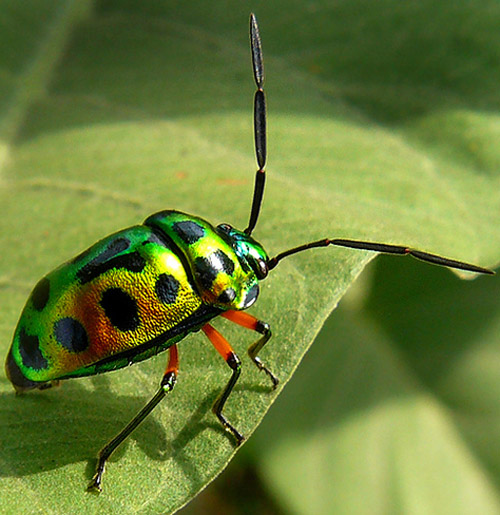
(167, 384)
(234, 363)
(259, 117)
(265, 330)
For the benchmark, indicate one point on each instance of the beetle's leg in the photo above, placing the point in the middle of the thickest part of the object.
(166, 385)
(250, 322)
(224, 349)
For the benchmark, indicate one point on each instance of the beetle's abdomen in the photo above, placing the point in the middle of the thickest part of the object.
(125, 291)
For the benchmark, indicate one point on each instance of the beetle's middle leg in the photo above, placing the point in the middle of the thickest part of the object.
(225, 350)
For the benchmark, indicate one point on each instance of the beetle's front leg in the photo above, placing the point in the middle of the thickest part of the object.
(250, 322)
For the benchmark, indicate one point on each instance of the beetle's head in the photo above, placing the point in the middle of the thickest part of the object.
(250, 253)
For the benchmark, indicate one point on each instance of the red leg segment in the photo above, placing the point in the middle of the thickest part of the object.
(173, 361)
(222, 346)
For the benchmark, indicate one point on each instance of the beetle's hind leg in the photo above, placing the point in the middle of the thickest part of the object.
(166, 385)
(250, 322)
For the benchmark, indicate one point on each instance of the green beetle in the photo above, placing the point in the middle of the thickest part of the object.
(141, 290)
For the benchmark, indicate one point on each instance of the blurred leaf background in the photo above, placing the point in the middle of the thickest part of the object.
(383, 120)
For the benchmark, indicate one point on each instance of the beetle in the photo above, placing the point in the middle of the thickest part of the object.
(142, 290)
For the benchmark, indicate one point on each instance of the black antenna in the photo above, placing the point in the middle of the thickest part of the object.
(259, 122)
(260, 179)
(384, 248)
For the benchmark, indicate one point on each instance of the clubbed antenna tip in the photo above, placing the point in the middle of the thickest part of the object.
(259, 117)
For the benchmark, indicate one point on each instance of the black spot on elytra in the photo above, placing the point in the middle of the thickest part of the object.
(71, 334)
(155, 240)
(227, 265)
(40, 294)
(114, 247)
(251, 296)
(166, 288)
(205, 272)
(208, 268)
(133, 262)
(227, 296)
(190, 232)
(121, 309)
(29, 347)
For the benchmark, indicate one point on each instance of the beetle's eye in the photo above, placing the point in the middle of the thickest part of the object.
(225, 228)
(262, 269)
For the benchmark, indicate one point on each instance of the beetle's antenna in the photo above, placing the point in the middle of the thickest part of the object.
(259, 123)
(384, 248)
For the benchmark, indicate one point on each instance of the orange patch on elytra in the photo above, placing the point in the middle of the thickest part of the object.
(155, 318)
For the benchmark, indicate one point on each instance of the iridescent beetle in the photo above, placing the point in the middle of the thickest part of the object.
(140, 291)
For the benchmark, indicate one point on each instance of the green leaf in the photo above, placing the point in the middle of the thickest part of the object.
(396, 407)
(148, 108)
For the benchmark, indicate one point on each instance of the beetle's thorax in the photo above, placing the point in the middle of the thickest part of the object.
(250, 253)
(225, 264)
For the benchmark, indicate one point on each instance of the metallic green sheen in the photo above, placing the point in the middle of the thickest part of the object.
(215, 269)
(208, 259)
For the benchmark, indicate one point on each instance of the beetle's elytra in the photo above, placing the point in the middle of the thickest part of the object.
(143, 289)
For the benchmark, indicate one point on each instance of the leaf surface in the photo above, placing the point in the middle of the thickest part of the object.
(142, 107)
